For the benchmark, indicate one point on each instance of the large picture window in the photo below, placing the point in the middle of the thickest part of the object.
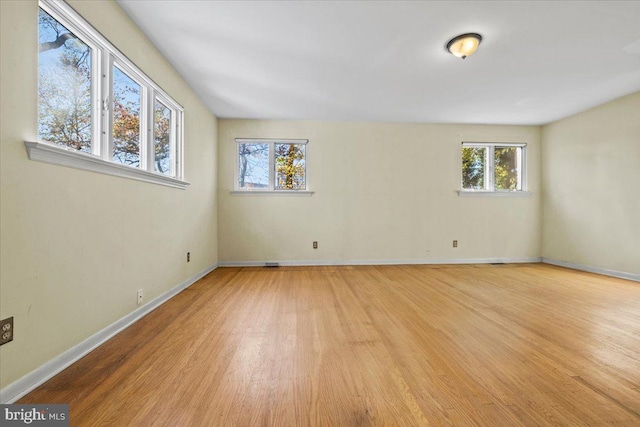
(493, 167)
(93, 100)
(271, 165)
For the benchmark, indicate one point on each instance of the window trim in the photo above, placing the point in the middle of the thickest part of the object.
(104, 57)
(271, 187)
(489, 193)
(489, 189)
(59, 155)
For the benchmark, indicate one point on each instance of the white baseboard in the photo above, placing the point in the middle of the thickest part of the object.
(27, 383)
(590, 269)
(286, 263)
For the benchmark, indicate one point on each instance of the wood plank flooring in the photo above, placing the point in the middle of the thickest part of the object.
(461, 345)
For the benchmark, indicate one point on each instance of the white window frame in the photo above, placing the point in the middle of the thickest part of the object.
(271, 189)
(489, 176)
(104, 56)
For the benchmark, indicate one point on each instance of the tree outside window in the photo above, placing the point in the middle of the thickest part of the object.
(492, 167)
(271, 165)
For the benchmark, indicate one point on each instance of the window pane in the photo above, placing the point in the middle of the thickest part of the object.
(126, 119)
(253, 165)
(290, 167)
(507, 168)
(162, 138)
(473, 168)
(64, 86)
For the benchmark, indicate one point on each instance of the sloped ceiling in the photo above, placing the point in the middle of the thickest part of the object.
(386, 61)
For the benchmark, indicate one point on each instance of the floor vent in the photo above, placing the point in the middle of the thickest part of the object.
(271, 264)
(497, 263)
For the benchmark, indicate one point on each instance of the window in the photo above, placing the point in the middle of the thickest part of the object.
(93, 101)
(66, 85)
(271, 165)
(163, 137)
(126, 132)
(493, 167)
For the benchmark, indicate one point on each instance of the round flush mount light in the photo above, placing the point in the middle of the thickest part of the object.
(464, 44)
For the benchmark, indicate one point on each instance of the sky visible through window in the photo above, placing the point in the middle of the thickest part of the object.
(162, 137)
(74, 97)
(64, 86)
(253, 165)
(126, 118)
(288, 171)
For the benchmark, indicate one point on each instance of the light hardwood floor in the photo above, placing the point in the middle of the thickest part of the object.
(464, 345)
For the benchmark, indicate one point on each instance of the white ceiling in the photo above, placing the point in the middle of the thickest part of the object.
(386, 61)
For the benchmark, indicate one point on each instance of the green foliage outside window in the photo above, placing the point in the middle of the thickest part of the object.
(473, 168)
(478, 162)
(506, 168)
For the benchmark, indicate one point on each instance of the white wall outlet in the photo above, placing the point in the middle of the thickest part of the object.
(140, 296)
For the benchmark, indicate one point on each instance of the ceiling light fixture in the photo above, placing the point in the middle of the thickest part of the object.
(464, 45)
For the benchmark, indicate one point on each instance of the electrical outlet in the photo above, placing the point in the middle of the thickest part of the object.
(140, 296)
(315, 245)
(455, 243)
(6, 330)
(188, 256)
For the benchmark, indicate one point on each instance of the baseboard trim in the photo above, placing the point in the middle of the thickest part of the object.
(590, 269)
(27, 383)
(286, 263)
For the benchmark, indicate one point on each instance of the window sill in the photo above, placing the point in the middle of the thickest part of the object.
(302, 193)
(49, 153)
(480, 193)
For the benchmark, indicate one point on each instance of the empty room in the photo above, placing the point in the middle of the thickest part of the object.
(327, 213)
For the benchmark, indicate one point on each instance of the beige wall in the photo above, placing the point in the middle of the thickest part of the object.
(76, 245)
(383, 192)
(591, 182)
